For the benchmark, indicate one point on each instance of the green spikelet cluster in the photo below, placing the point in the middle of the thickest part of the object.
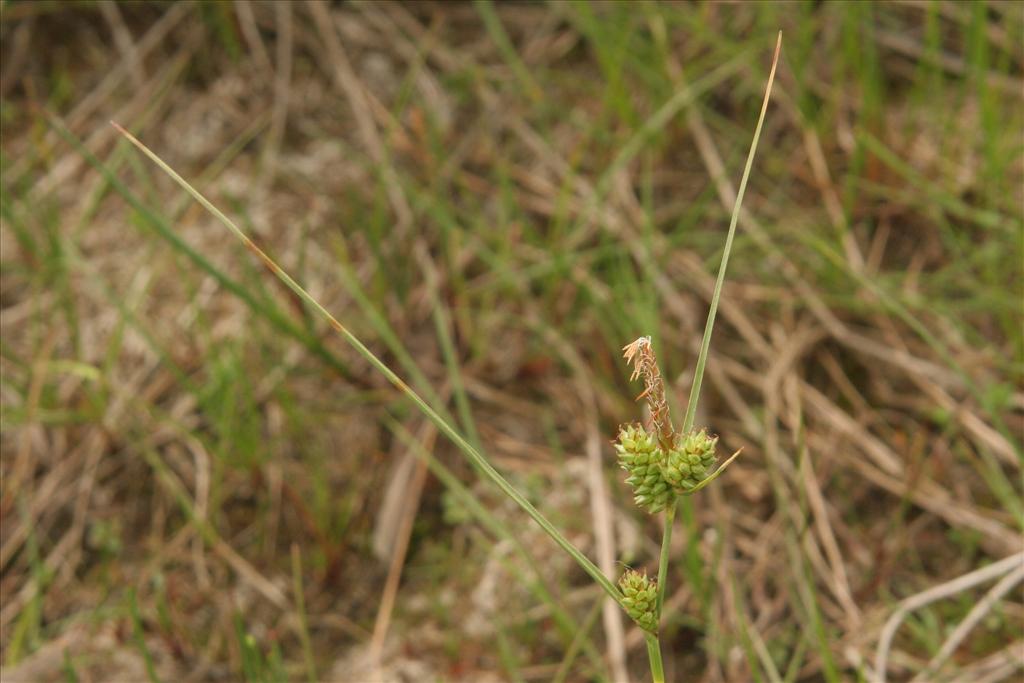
(641, 596)
(640, 455)
(690, 462)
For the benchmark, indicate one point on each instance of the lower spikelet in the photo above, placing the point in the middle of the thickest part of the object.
(641, 598)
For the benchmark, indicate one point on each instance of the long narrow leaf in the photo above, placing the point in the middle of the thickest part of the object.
(702, 357)
(446, 428)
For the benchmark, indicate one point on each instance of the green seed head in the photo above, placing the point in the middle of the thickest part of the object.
(640, 599)
(639, 454)
(690, 462)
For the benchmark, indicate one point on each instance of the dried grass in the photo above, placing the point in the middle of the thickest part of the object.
(158, 435)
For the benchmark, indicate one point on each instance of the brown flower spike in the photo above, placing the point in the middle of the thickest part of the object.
(641, 354)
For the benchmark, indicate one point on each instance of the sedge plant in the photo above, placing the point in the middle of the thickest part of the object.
(663, 464)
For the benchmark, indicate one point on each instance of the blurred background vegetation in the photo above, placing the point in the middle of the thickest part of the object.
(202, 482)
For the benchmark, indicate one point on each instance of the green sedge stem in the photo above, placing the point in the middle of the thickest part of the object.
(666, 541)
(654, 654)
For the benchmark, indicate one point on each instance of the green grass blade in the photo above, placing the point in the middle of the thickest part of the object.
(138, 636)
(577, 642)
(485, 8)
(160, 226)
(488, 470)
(442, 324)
(300, 608)
(691, 408)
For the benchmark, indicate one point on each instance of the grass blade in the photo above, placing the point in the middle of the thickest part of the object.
(488, 470)
(698, 376)
(277, 319)
(691, 408)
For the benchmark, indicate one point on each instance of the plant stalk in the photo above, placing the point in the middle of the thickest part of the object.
(654, 654)
(666, 542)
